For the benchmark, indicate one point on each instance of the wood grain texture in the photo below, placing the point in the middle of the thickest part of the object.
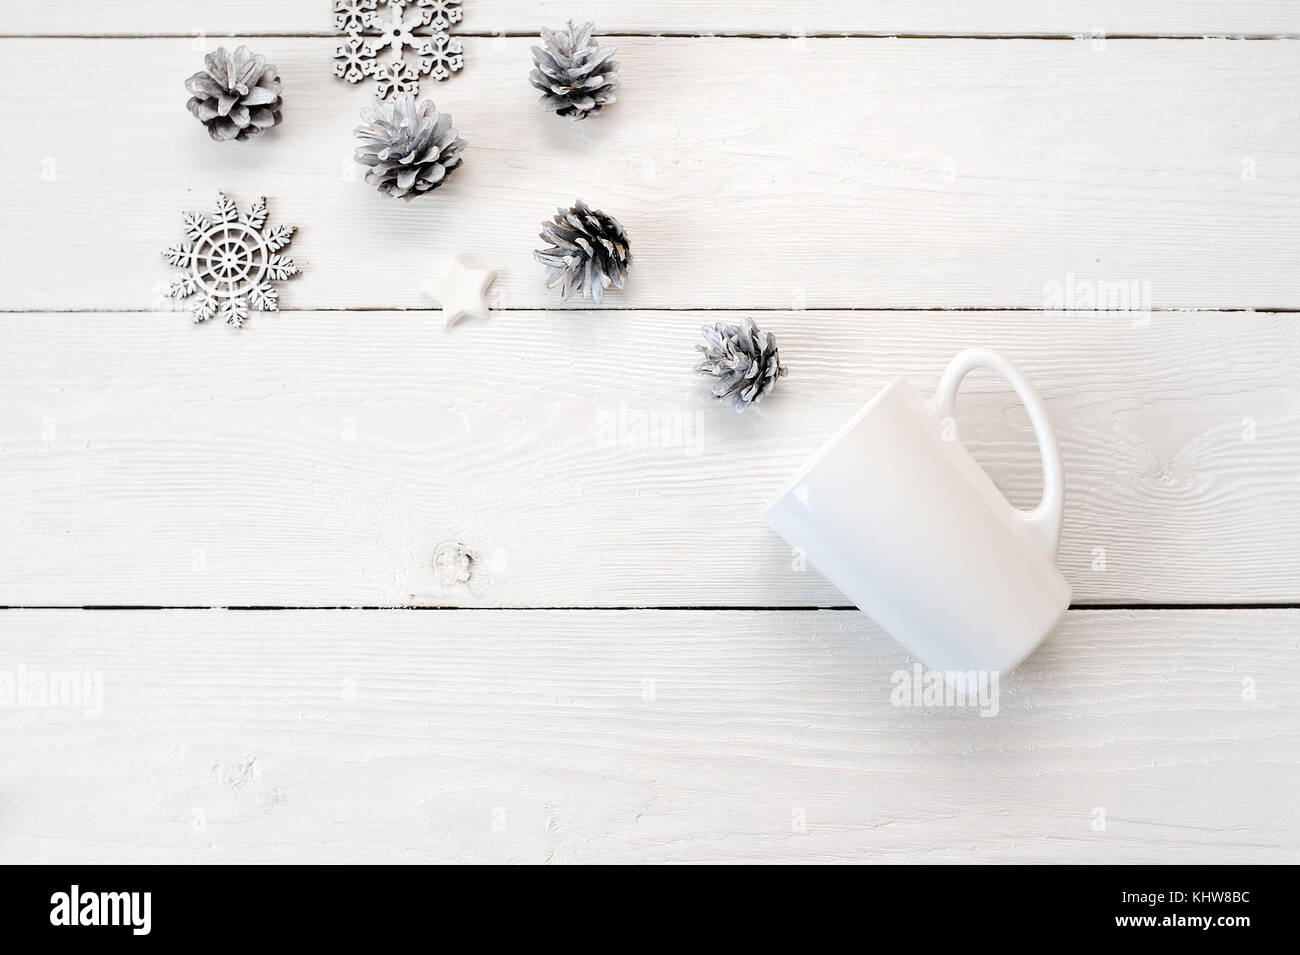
(973, 17)
(749, 173)
(319, 458)
(646, 736)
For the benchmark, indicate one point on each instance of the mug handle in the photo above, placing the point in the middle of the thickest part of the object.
(1044, 520)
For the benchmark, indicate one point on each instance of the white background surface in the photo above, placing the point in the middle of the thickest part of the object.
(647, 676)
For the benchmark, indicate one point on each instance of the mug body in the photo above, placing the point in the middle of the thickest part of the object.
(911, 529)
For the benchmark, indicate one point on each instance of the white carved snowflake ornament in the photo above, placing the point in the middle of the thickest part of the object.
(230, 262)
(379, 33)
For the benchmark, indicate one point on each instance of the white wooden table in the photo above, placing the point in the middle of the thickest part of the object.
(235, 528)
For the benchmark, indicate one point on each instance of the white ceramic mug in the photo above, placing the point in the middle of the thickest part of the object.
(899, 516)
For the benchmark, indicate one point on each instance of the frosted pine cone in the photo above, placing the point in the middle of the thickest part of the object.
(410, 149)
(589, 252)
(744, 361)
(237, 95)
(577, 78)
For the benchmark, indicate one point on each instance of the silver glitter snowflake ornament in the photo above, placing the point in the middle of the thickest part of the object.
(230, 262)
(380, 33)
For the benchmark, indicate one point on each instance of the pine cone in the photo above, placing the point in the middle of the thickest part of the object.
(577, 78)
(410, 149)
(589, 252)
(237, 95)
(744, 360)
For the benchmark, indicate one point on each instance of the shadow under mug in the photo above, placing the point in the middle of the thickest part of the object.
(895, 512)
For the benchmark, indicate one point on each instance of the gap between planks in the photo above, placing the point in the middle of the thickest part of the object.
(415, 310)
(669, 35)
(714, 608)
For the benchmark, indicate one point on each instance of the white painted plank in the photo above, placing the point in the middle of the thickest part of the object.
(319, 458)
(595, 736)
(961, 17)
(748, 172)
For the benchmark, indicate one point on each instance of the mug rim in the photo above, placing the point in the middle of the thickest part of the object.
(829, 444)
